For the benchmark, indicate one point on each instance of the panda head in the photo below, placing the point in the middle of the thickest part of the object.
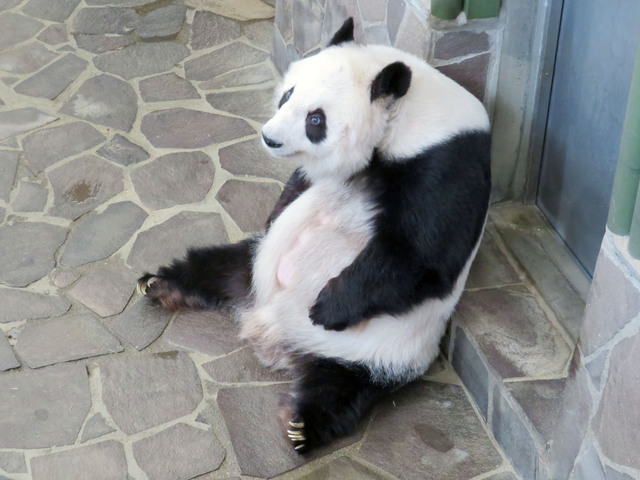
(333, 108)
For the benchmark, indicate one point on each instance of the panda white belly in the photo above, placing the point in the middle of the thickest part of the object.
(312, 241)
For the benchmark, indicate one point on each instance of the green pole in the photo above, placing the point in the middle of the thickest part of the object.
(627, 179)
(446, 9)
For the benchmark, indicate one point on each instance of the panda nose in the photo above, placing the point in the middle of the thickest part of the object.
(270, 143)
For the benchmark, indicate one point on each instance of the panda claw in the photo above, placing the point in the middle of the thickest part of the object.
(296, 424)
(299, 447)
(144, 284)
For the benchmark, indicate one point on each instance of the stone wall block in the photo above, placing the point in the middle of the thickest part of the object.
(412, 35)
(374, 10)
(467, 362)
(284, 19)
(395, 14)
(460, 43)
(573, 423)
(336, 12)
(613, 301)
(470, 73)
(617, 421)
(307, 25)
(512, 435)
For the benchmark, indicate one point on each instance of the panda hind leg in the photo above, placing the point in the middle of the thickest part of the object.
(327, 401)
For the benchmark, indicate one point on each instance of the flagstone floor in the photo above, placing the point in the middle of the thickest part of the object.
(129, 131)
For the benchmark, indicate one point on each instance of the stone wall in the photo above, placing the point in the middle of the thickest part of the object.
(465, 51)
(597, 435)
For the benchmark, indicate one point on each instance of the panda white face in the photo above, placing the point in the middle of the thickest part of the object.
(325, 118)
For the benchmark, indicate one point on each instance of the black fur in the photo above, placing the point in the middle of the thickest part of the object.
(432, 210)
(218, 276)
(394, 79)
(345, 34)
(285, 97)
(330, 397)
(316, 126)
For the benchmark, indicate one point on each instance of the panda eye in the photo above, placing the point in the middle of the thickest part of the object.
(316, 118)
(285, 97)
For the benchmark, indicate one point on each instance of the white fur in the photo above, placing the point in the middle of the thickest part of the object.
(323, 231)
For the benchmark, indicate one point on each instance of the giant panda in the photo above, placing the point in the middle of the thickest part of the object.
(368, 249)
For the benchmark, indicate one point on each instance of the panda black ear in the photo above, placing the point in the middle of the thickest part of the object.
(345, 34)
(394, 79)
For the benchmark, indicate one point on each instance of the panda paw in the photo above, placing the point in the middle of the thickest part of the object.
(330, 313)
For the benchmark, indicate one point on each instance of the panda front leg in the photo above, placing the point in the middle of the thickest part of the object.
(328, 400)
(207, 278)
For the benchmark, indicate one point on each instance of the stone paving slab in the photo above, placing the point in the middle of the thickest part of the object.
(129, 131)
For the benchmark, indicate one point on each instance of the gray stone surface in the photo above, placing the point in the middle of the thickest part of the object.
(374, 10)
(284, 20)
(460, 43)
(9, 4)
(61, 278)
(306, 28)
(395, 14)
(571, 426)
(46, 147)
(120, 3)
(167, 87)
(140, 324)
(250, 158)
(512, 435)
(261, 447)
(104, 100)
(183, 128)
(26, 58)
(222, 60)
(43, 408)
(81, 185)
(143, 391)
(105, 291)
(588, 466)
(54, 34)
(541, 401)
(209, 332)
(253, 75)
(513, 332)
(54, 79)
(122, 151)
(596, 369)
(613, 474)
(95, 427)
(15, 122)
(199, 452)
(8, 359)
(242, 367)
(613, 302)
(62, 339)
(343, 468)
(101, 461)
(13, 462)
(103, 43)
(104, 20)
(546, 261)
(259, 33)
(8, 165)
(468, 364)
(416, 435)
(161, 244)
(616, 424)
(162, 22)
(27, 250)
(254, 104)
(54, 10)
(233, 195)
(142, 59)
(15, 29)
(470, 73)
(174, 179)
(31, 197)
(209, 29)
(491, 267)
(100, 235)
(16, 305)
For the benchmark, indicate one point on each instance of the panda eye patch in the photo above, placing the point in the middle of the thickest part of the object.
(316, 126)
(285, 97)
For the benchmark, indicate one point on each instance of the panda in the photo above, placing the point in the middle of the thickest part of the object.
(367, 250)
